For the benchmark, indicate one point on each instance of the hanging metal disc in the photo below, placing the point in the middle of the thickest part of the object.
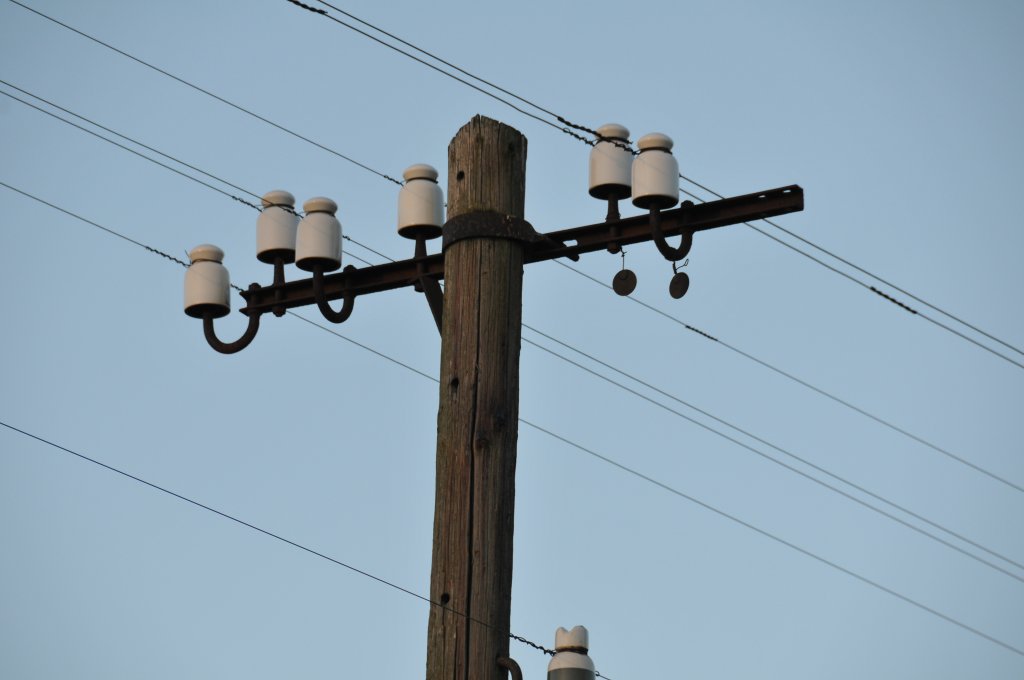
(624, 282)
(679, 285)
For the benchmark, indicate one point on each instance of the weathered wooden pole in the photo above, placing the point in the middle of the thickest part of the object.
(478, 415)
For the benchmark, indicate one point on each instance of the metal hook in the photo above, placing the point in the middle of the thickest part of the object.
(511, 666)
(321, 297)
(238, 345)
(667, 251)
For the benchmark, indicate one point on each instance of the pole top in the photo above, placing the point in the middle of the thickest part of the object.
(487, 169)
(480, 120)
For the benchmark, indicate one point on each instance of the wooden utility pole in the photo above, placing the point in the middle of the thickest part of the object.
(486, 243)
(478, 415)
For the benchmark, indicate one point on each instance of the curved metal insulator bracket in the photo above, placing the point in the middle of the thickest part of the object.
(511, 666)
(349, 298)
(668, 252)
(238, 345)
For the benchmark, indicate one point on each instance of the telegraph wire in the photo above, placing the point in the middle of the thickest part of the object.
(98, 226)
(130, 150)
(804, 383)
(799, 381)
(781, 450)
(211, 94)
(270, 534)
(368, 248)
(891, 299)
(237, 288)
(777, 539)
(392, 179)
(328, 329)
(761, 440)
(686, 404)
(463, 71)
(126, 138)
(255, 207)
(655, 482)
(179, 260)
(681, 176)
(234, 519)
(785, 374)
(335, 19)
(161, 153)
(868, 273)
(435, 58)
(565, 130)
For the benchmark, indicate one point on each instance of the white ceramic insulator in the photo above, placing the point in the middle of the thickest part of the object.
(318, 237)
(275, 227)
(574, 664)
(611, 163)
(655, 173)
(207, 286)
(420, 202)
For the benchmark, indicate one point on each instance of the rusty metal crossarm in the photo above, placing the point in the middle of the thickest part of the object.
(360, 281)
(562, 243)
(687, 218)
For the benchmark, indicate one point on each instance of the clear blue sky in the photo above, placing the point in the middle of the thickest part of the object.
(902, 121)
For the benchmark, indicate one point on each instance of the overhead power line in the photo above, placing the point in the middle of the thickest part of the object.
(195, 87)
(130, 150)
(632, 471)
(783, 451)
(350, 239)
(536, 106)
(326, 15)
(767, 457)
(681, 415)
(878, 278)
(800, 381)
(756, 438)
(562, 129)
(252, 205)
(876, 291)
(236, 198)
(133, 141)
(773, 537)
(97, 225)
(566, 130)
(271, 534)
